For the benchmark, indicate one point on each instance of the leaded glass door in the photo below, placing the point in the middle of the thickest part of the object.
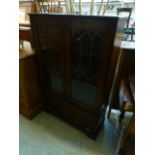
(52, 56)
(86, 47)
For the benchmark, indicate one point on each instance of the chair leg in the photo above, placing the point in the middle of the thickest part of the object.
(121, 115)
(109, 112)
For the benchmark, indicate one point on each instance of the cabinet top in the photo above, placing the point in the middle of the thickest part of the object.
(77, 16)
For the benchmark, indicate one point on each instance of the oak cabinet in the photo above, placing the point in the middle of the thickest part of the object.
(75, 56)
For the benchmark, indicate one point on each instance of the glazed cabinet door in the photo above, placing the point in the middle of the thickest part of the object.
(88, 53)
(75, 56)
(85, 58)
(51, 56)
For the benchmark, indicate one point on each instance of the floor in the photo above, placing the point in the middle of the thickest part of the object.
(48, 135)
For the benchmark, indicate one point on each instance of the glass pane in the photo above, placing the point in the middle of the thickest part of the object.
(84, 92)
(56, 83)
(86, 47)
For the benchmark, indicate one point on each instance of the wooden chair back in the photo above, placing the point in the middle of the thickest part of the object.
(125, 10)
(49, 6)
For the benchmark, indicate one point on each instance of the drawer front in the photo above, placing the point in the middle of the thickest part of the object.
(58, 105)
(83, 117)
(54, 104)
(72, 112)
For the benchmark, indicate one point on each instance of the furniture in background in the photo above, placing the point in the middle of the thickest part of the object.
(75, 56)
(50, 6)
(29, 86)
(125, 68)
(128, 30)
(132, 86)
(126, 142)
(125, 10)
(126, 101)
(25, 34)
(35, 7)
(24, 10)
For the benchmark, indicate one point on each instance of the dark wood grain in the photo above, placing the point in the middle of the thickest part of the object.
(61, 43)
(29, 87)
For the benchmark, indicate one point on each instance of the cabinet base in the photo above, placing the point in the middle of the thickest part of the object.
(92, 132)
